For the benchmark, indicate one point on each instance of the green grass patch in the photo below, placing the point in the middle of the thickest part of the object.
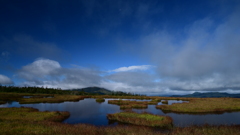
(144, 119)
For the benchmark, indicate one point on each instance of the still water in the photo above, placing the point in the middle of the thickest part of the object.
(91, 112)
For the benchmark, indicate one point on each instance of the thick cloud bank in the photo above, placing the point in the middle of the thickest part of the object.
(205, 57)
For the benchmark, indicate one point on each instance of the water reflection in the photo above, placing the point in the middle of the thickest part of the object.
(173, 101)
(91, 112)
(27, 96)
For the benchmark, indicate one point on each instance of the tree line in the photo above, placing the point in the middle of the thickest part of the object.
(46, 90)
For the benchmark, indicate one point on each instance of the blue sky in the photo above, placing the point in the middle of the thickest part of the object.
(141, 46)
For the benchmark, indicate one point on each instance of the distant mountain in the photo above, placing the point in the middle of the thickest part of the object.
(95, 90)
(209, 94)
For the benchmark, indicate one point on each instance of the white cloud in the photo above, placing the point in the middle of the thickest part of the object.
(49, 73)
(39, 68)
(5, 80)
(132, 68)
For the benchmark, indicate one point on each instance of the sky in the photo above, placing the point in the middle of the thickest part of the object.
(153, 47)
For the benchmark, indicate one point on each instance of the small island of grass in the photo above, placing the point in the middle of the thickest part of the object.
(100, 100)
(144, 119)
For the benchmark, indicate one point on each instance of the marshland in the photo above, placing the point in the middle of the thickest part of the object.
(42, 113)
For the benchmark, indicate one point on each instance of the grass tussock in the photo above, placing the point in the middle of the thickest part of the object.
(100, 100)
(144, 119)
(206, 105)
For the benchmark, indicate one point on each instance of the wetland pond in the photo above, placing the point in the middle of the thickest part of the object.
(91, 112)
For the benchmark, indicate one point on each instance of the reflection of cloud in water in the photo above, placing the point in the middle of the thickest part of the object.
(88, 111)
